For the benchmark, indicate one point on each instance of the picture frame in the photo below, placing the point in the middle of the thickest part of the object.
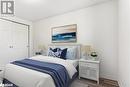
(64, 34)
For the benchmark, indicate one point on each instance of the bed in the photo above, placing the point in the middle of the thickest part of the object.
(44, 71)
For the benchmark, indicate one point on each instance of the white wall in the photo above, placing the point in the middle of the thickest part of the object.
(96, 25)
(124, 43)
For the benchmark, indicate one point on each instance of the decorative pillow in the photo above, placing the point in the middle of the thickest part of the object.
(57, 52)
(71, 53)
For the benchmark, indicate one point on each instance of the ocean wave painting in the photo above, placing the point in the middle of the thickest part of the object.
(64, 33)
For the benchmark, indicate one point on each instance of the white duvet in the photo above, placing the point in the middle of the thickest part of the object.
(24, 77)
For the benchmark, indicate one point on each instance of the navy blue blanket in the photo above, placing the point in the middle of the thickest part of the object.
(57, 71)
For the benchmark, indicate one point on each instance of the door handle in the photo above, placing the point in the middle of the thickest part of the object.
(10, 46)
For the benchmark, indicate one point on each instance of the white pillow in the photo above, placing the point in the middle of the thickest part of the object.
(71, 53)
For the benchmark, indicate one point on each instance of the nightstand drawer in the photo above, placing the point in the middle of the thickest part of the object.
(89, 69)
(87, 72)
(92, 65)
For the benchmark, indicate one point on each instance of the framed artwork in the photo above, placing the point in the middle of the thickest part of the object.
(62, 34)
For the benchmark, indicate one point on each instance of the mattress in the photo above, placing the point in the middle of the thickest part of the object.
(24, 77)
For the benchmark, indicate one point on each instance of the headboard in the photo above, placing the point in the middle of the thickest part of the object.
(78, 47)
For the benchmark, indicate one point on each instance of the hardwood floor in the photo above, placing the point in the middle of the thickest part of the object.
(103, 83)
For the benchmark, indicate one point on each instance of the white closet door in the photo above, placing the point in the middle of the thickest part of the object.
(13, 42)
(20, 41)
(5, 42)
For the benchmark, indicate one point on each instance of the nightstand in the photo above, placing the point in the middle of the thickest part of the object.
(89, 69)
